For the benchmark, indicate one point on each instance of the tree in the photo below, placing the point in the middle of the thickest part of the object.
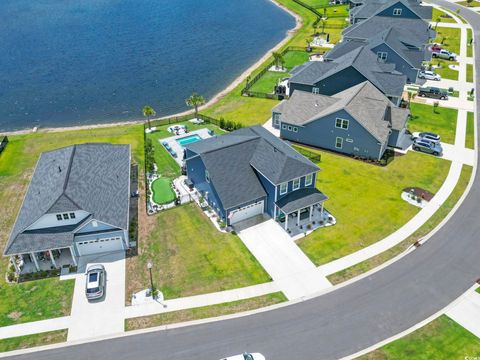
(314, 26)
(278, 59)
(148, 112)
(195, 101)
(437, 20)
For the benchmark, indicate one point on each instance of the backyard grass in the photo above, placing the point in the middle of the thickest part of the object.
(449, 38)
(204, 312)
(295, 58)
(426, 228)
(470, 135)
(362, 196)
(469, 73)
(443, 338)
(469, 47)
(444, 17)
(42, 299)
(192, 257)
(442, 121)
(268, 81)
(162, 191)
(28, 341)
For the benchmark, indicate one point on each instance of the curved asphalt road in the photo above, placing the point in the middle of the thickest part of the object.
(334, 325)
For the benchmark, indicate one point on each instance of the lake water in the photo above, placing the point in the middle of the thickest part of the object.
(75, 62)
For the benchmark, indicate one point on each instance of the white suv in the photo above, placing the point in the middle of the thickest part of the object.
(429, 75)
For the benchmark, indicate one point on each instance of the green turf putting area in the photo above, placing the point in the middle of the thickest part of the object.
(162, 191)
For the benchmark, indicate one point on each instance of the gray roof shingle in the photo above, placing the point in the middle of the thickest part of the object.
(91, 177)
(373, 7)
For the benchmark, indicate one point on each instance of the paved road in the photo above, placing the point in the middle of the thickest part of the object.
(336, 324)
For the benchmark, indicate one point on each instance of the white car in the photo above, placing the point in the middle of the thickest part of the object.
(246, 356)
(429, 75)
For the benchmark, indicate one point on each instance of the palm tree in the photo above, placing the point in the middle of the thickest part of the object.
(437, 20)
(148, 112)
(195, 101)
(278, 59)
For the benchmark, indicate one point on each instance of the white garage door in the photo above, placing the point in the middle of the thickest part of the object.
(246, 212)
(99, 245)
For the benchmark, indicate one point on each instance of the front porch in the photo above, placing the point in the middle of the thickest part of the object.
(43, 260)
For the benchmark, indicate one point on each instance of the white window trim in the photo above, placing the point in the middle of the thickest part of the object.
(341, 142)
(397, 11)
(382, 55)
(276, 119)
(293, 184)
(284, 127)
(295, 129)
(286, 188)
(310, 181)
(315, 90)
(349, 140)
(342, 122)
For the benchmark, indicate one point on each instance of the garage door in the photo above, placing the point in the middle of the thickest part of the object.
(99, 245)
(246, 212)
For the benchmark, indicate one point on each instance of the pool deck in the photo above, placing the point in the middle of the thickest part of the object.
(172, 141)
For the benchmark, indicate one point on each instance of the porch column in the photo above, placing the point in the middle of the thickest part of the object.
(298, 217)
(52, 259)
(310, 213)
(321, 209)
(286, 221)
(32, 255)
(15, 265)
(73, 256)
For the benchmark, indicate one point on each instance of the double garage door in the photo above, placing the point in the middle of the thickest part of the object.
(246, 212)
(99, 245)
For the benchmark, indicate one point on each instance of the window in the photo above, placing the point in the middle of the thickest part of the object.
(289, 128)
(296, 184)
(276, 119)
(65, 216)
(207, 176)
(308, 180)
(284, 127)
(315, 90)
(397, 12)
(295, 129)
(339, 142)
(72, 215)
(59, 217)
(382, 55)
(283, 188)
(341, 123)
(349, 140)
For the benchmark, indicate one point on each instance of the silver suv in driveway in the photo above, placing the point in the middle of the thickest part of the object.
(95, 282)
(427, 146)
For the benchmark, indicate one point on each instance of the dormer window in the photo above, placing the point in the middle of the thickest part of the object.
(65, 217)
(397, 12)
(296, 184)
(59, 217)
(72, 215)
(308, 180)
(382, 56)
(283, 188)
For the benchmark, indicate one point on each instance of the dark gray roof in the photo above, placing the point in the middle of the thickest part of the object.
(373, 7)
(233, 159)
(300, 199)
(364, 102)
(91, 177)
(382, 75)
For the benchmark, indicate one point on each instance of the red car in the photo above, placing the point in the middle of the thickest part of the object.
(435, 47)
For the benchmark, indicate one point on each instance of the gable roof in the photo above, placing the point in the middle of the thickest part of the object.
(90, 177)
(364, 102)
(232, 161)
(382, 75)
(374, 7)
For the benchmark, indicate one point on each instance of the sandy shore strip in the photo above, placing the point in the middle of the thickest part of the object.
(216, 98)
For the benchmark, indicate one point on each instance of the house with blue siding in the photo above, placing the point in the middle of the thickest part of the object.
(351, 68)
(77, 204)
(403, 9)
(250, 172)
(359, 121)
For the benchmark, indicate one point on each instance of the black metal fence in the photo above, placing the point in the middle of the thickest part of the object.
(312, 156)
(3, 143)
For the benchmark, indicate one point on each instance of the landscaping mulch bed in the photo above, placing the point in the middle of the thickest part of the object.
(419, 192)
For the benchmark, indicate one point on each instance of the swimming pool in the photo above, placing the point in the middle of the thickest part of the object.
(189, 139)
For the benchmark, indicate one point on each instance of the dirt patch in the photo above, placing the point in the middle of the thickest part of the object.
(419, 192)
(15, 315)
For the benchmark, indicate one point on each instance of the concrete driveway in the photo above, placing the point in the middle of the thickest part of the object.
(97, 318)
(282, 259)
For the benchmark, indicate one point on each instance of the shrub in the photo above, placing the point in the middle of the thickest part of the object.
(221, 123)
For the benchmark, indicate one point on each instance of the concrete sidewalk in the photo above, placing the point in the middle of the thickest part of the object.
(34, 327)
(466, 312)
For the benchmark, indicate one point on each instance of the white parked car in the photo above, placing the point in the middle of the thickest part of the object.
(429, 75)
(246, 356)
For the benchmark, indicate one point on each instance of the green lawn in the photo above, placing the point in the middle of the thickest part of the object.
(191, 257)
(426, 228)
(42, 299)
(316, 3)
(268, 81)
(162, 191)
(204, 312)
(449, 38)
(443, 16)
(362, 196)
(294, 58)
(469, 4)
(443, 338)
(469, 47)
(478, 290)
(470, 135)
(469, 73)
(443, 121)
(28, 341)
(441, 68)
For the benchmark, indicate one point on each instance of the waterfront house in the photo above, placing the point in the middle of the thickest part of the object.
(403, 9)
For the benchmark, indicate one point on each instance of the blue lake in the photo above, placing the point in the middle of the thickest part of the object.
(75, 62)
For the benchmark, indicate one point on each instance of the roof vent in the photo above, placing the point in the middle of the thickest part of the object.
(275, 149)
(59, 169)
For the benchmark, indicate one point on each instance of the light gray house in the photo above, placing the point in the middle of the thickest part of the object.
(77, 204)
(359, 121)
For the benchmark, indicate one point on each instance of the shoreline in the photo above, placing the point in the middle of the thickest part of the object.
(290, 33)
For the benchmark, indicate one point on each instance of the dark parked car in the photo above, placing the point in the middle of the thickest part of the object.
(433, 92)
(427, 146)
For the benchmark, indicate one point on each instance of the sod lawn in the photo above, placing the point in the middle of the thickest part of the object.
(28, 341)
(469, 4)
(443, 338)
(268, 81)
(443, 16)
(365, 199)
(441, 68)
(469, 73)
(42, 299)
(441, 121)
(449, 38)
(204, 312)
(470, 135)
(469, 47)
(192, 257)
(162, 191)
